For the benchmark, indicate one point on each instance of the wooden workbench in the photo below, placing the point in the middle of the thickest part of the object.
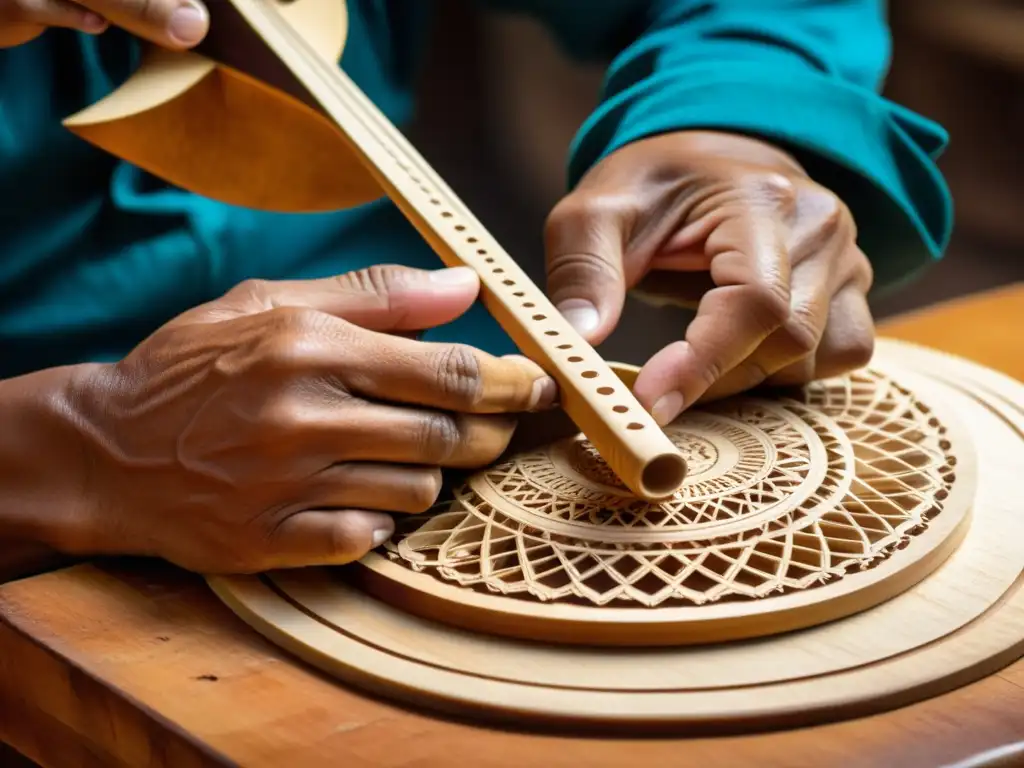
(138, 664)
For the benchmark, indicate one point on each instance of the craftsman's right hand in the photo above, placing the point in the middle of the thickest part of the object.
(279, 425)
(174, 24)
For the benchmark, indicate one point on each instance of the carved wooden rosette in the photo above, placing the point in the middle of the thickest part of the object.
(789, 508)
(840, 551)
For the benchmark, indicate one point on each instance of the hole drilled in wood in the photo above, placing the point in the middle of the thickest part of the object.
(664, 474)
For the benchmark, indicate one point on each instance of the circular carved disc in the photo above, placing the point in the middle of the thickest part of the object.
(794, 512)
(899, 502)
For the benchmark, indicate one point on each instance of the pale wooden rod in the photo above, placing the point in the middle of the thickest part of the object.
(603, 407)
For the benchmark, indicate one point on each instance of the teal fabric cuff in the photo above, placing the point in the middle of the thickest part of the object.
(875, 155)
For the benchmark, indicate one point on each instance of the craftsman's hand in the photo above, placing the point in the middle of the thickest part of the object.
(276, 426)
(174, 24)
(735, 226)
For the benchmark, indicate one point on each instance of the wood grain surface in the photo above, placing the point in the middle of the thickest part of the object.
(136, 663)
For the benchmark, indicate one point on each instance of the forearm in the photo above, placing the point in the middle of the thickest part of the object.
(804, 75)
(44, 467)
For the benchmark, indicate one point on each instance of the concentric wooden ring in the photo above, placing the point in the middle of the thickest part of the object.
(958, 624)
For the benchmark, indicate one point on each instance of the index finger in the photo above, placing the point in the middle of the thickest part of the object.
(750, 300)
(444, 376)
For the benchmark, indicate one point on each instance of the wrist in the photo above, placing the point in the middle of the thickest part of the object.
(737, 146)
(47, 489)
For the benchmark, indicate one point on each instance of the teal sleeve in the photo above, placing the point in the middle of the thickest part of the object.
(804, 74)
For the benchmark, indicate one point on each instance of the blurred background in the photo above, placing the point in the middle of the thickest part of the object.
(501, 104)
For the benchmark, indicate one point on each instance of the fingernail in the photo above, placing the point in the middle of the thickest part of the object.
(382, 534)
(187, 24)
(581, 314)
(453, 276)
(545, 390)
(667, 408)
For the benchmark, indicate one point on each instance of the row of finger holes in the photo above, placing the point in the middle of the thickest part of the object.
(603, 390)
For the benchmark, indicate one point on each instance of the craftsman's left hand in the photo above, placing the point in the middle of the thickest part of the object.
(737, 226)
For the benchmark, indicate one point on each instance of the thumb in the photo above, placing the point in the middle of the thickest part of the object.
(168, 23)
(585, 273)
(396, 298)
(386, 298)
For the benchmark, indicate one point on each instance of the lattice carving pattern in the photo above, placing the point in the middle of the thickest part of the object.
(782, 495)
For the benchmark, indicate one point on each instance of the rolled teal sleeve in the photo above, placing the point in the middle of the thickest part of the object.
(803, 74)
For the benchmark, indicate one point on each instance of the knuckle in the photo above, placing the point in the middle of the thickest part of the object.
(281, 414)
(863, 271)
(831, 216)
(349, 539)
(869, 275)
(491, 435)
(571, 274)
(439, 436)
(578, 230)
(857, 352)
(756, 372)
(250, 296)
(711, 372)
(253, 288)
(863, 353)
(298, 320)
(803, 329)
(775, 189)
(292, 339)
(582, 213)
(571, 208)
(584, 268)
(281, 353)
(458, 374)
(424, 492)
(768, 302)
